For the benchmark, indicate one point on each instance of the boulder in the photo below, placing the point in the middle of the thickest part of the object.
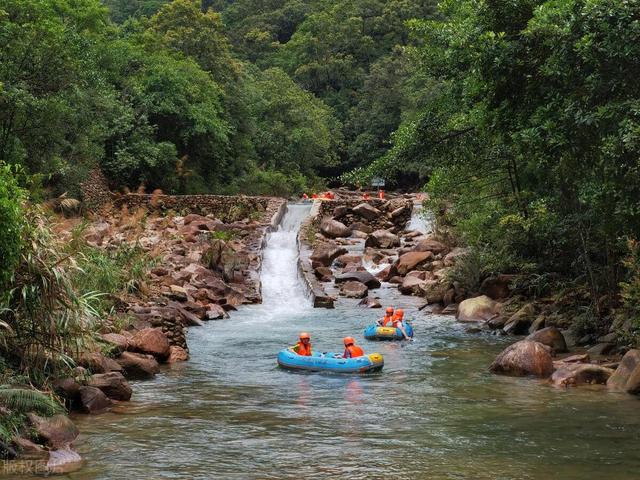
(361, 227)
(367, 211)
(412, 286)
(334, 229)
(577, 358)
(626, 377)
(370, 303)
(524, 358)
(178, 354)
(431, 245)
(117, 340)
(215, 312)
(113, 384)
(399, 212)
(69, 389)
(571, 374)
(363, 277)
(354, 289)
(98, 363)
(28, 449)
(551, 337)
(152, 341)
(519, 322)
(601, 349)
(346, 259)
(63, 460)
(326, 253)
(93, 400)
(435, 291)
(452, 257)
(340, 211)
(138, 366)
(412, 260)
(382, 239)
(477, 309)
(386, 273)
(55, 432)
(497, 287)
(538, 324)
(324, 274)
(178, 293)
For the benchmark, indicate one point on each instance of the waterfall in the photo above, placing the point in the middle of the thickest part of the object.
(281, 288)
(420, 220)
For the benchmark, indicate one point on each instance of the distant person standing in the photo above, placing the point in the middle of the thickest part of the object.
(381, 194)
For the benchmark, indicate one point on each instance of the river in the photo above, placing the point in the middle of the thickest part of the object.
(434, 412)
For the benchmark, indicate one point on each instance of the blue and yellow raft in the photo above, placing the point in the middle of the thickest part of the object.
(330, 362)
(376, 332)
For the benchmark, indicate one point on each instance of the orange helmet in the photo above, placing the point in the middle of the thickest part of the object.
(348, 341)
(389, 309)
(400, 312)
(305, 336)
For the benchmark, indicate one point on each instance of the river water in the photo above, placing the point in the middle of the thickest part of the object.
(434, 412)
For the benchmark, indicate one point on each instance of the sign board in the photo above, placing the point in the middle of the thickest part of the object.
(377, 182)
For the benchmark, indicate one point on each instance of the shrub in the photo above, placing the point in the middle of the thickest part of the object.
(11, 219)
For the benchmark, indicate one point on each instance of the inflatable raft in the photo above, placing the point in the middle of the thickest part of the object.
(376, 332)
(330, 362)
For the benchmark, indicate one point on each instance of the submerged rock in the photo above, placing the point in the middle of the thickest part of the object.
(524, 358)
(572, 374)
(64, 460)
(370, 303)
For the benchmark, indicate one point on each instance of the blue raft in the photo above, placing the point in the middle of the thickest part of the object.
(330, 362)
(376, 332)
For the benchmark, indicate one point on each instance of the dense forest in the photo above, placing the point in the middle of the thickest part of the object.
(520, 119)
(248, 97)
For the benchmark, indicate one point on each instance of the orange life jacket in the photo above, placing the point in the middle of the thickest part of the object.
(302, 349)
(386, 320)
(396, 320)
(353, 351)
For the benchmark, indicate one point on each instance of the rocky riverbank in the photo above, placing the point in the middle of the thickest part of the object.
(349, 246)
(206, 256)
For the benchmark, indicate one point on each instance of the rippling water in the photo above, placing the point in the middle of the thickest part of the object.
(434, 412)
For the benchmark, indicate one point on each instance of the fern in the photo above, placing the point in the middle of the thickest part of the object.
(27, 400)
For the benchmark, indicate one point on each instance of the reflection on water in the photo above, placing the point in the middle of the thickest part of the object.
(433, 413)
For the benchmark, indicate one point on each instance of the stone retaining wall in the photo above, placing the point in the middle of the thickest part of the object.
(314, 288)
(228, 208)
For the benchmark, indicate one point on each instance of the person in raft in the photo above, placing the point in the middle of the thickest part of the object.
(303, 347)
(397, 321)
(388, 317)
(351, 350)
